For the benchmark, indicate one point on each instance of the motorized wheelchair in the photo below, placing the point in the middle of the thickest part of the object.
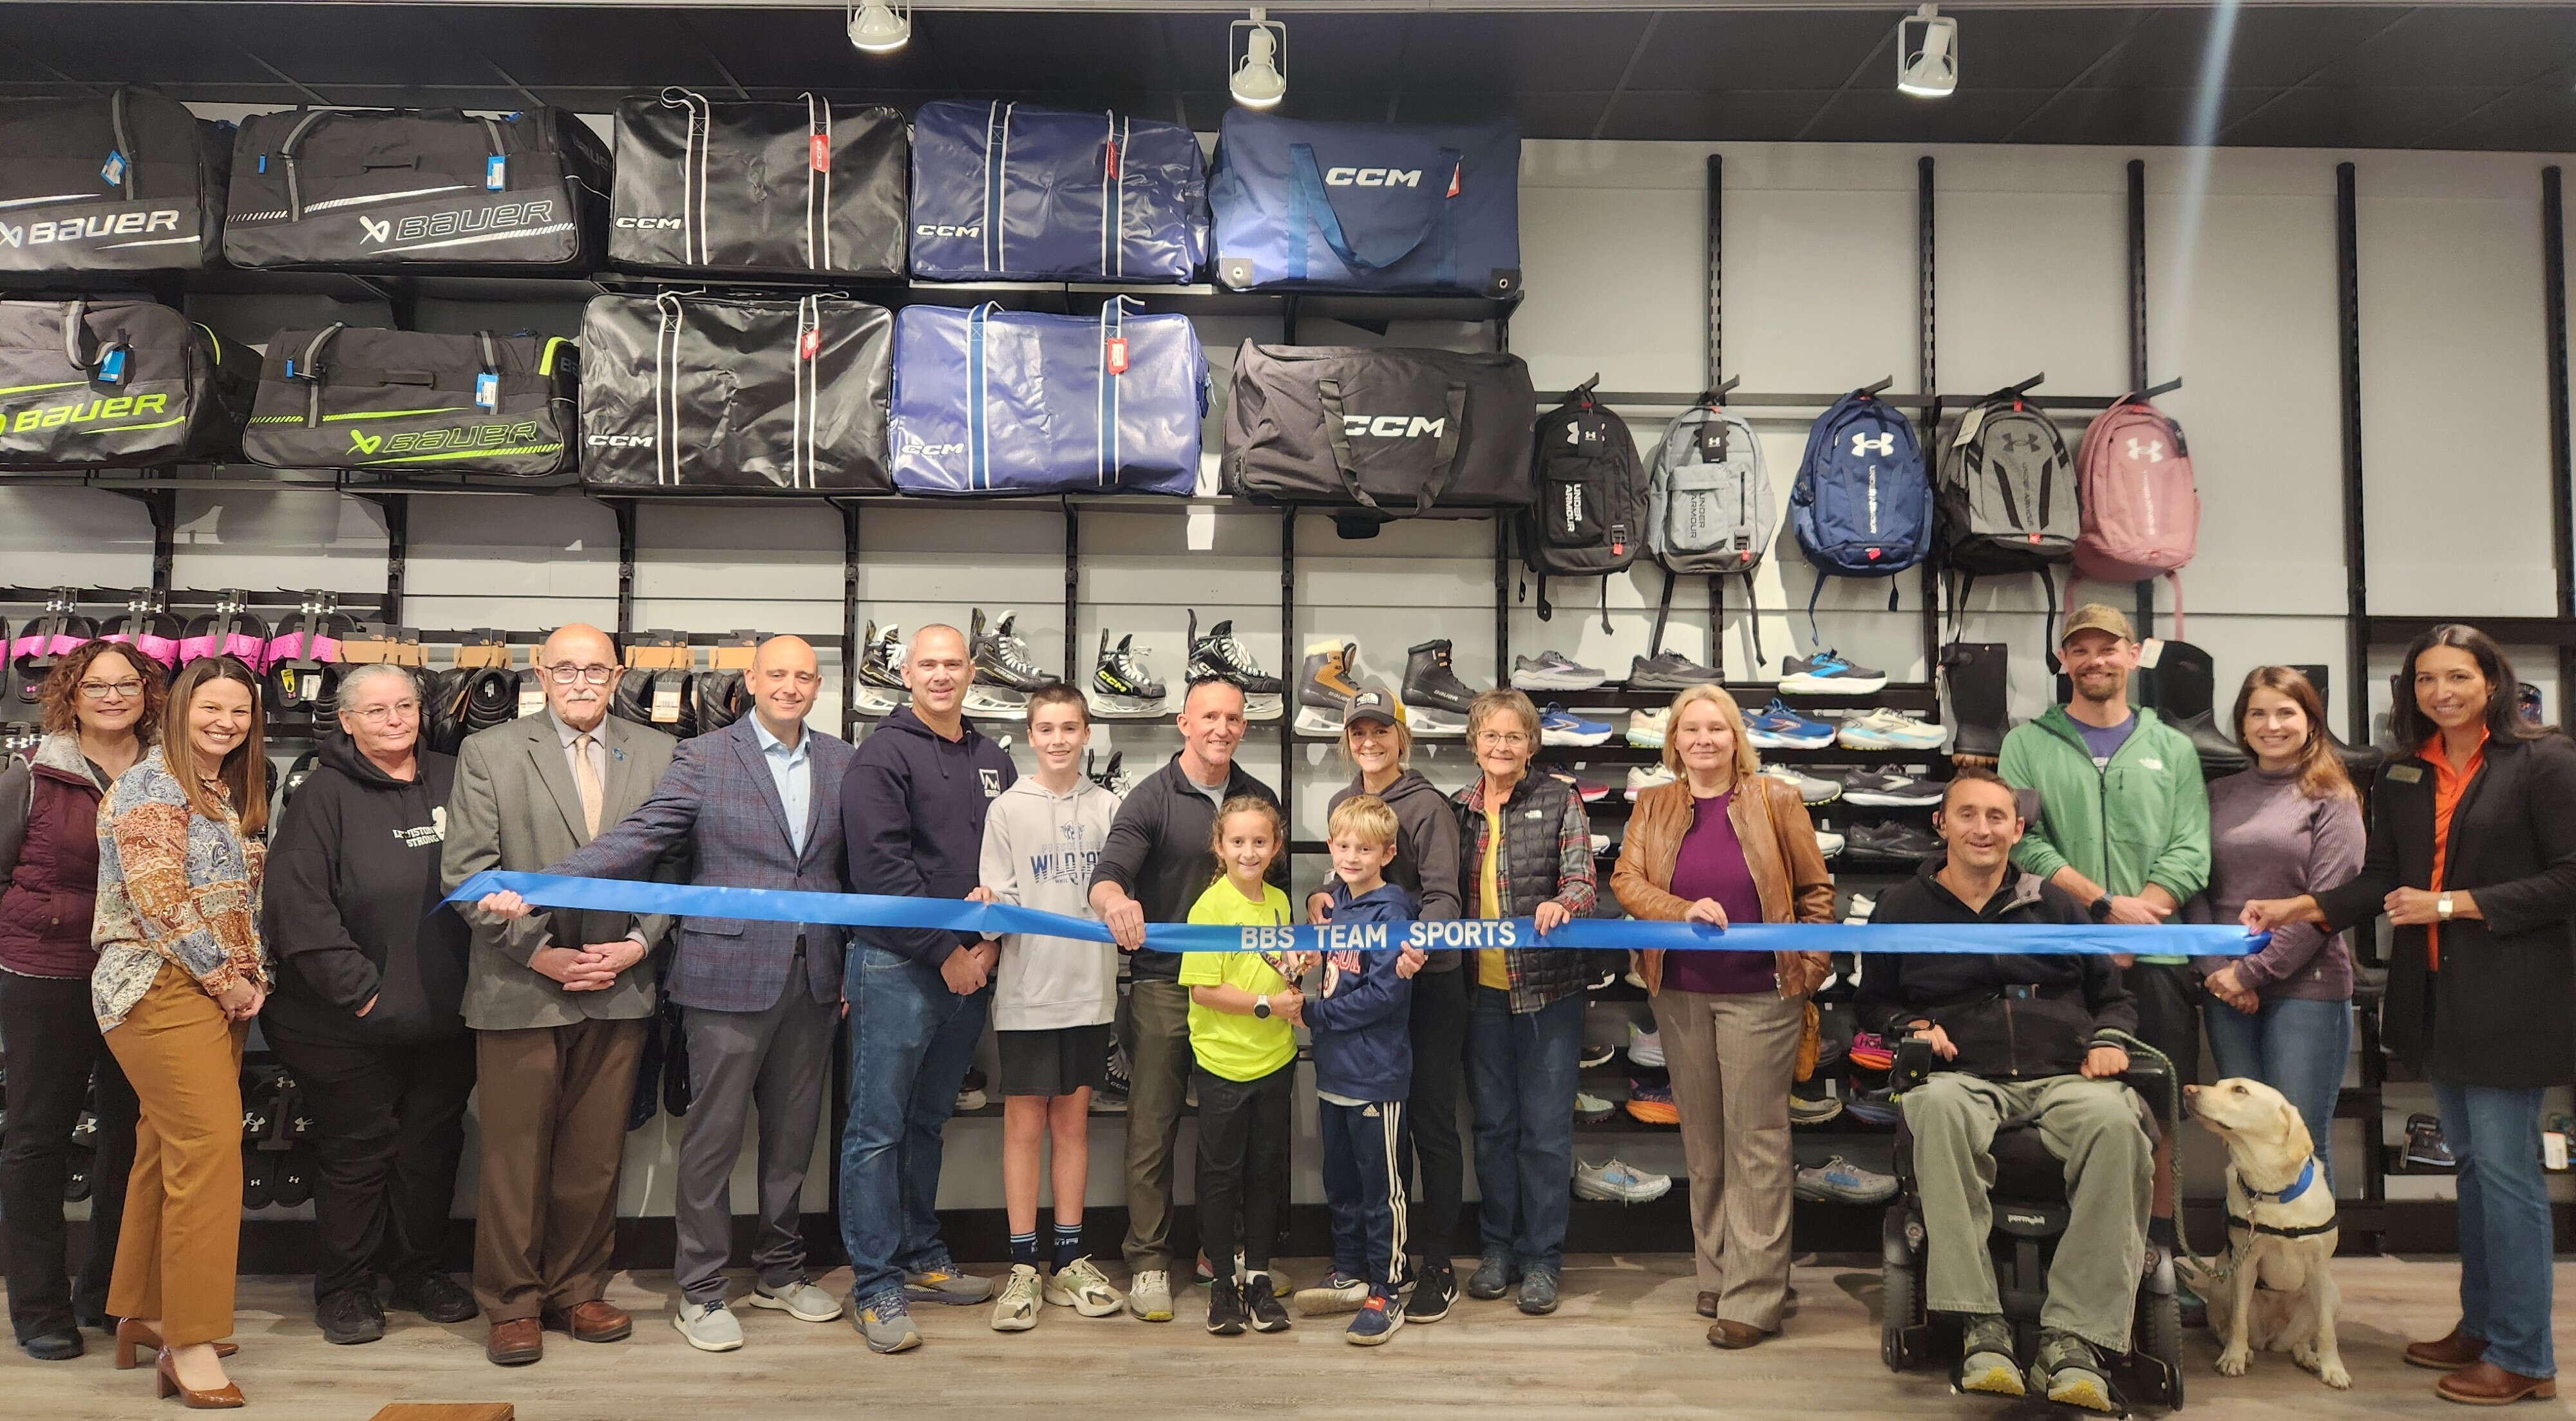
(2030, 1214)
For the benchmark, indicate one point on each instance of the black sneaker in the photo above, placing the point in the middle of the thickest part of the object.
(1538, 1292)
(1900, 843)
(1433, 1292)
(1669, 671)
(1883, 789)
(1493, 1277)
(436, 1296)
(1261, 1300)
(350, 1316)
(1226, 1317)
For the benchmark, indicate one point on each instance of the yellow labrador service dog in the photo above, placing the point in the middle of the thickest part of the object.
(2275, 1289)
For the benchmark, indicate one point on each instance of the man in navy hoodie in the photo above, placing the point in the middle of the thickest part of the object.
(1361, 1017)
(912, 812)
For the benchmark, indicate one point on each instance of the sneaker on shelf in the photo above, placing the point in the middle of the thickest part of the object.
(1776, 727)
(1121, 689)
(1646, 727)
(1001, 656)
(1887, 789)
(1600, 845)
(881, 687)
(1893, 843)
(1219, 654)
(1827, 674)
(1553, 670)
(1669, 671)
(1811, 789)
(2425, 1147)
(1651, 1103)
(1646, 777)
(1635, 978)
(1859, 909)
(1840, 1181)
(1595, 1054)
(1618, 1183)
(1592, 790)
(1885, 729)
(1325, 686)
(1646, 1048)
(1559, 726)
(1435, 700)
(1813, 1102)
(1603, 974)
(1591, 1109)
(970, 1095)
(1871, 1107)
(1828, 843)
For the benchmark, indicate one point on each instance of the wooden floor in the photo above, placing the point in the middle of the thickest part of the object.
(1624, 1347)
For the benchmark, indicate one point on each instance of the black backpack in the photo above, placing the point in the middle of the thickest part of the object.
(1590, 517)
(128, 180)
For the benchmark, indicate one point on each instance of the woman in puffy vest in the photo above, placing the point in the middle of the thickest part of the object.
(101, 707)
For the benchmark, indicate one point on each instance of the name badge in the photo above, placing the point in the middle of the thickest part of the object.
(2406, 774)
(2150, 763)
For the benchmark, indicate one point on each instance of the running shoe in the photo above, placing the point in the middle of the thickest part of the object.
(1777, 727)
(1553, 670)
(1646, 777)
(1840, 1181)
(1646, 1048)
(1871, 1107)
(1618, 1183)
(1828, 843)
(1651, 1103)
(1861, 906)
(1885, 729)
(1592, 1109)
(970, 1092)
(1888, 789)
(1600, 846)
(1810, 789)
(1827, 674)
(1813, 1102)
(1559, 726)
(1592, 791)
(1595, 1053)
(1646, 728)
(1900, 843)
(1669, 671)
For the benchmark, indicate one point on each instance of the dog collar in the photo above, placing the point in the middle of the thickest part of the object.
(2297, 1187)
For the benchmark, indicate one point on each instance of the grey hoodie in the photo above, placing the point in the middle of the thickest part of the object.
(1426, 851)
(1039, 852)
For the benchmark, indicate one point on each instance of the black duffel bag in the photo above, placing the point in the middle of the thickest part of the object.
(351, 397)
(126, 181)
(718, 392)
(1396, 432)
(404, 187)
(760, 187)
(116, 382)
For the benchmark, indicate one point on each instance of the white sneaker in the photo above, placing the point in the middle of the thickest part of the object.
(800, 1300)
(1646, 1048)
(1619, 1183)
(1149, 1295)
(1828, 843)
(1885, 729)
(1646, 777)
(1017, 1311)
(1646, 728)
(1081, 1286)
(709, 1327)
(1330, 1297)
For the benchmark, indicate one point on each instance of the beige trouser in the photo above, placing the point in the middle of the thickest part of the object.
(1731, 1057)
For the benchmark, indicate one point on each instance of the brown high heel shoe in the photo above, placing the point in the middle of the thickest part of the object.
(222, 1398)
(132, 1336)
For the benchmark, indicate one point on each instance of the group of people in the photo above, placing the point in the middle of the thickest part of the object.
(151, 914)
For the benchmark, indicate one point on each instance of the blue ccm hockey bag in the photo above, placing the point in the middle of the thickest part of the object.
(1367, 207)
(1014, 192)
(990, 401)
(1862, 505)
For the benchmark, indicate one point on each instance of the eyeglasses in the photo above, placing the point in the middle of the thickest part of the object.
(102, 690)
(802, 680)
(379, 715)
(1505, 739)
(567, 673)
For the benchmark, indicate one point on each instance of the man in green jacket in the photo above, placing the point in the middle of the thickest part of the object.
(2123, 826)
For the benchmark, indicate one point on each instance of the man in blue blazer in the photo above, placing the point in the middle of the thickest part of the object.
(758, 805)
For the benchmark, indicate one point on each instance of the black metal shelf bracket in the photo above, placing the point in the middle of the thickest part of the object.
(2356, 543)
(624, 510)
(851, 651)
(1072, 588)
(2562, 460)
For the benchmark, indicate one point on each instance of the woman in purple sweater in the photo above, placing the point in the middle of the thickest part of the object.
(2290, 825)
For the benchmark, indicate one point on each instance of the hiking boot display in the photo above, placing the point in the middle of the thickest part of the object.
(2186, 693)
(1120, 687)
(1975, 673)
(1220, 654)
(1435, 700)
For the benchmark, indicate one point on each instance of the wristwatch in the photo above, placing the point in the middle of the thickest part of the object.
(2442, 907)
(1261, 1007)
(2101, 909)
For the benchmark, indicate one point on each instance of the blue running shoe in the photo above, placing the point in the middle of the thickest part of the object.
(1559, 726)
(1827, 673)
(1780, 728)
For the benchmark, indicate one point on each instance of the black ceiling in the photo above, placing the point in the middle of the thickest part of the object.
(2302, 75)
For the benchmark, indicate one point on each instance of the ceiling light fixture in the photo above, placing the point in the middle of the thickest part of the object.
(880, 28)
(1259, 79)
(1927, 54)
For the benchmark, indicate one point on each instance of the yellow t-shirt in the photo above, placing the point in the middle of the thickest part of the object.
(1238, 1048)
(1490, 971)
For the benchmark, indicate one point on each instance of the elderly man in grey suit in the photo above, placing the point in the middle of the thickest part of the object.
(756, 805)
(557, 1000)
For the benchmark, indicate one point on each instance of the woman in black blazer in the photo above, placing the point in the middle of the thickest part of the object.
(2472, 859)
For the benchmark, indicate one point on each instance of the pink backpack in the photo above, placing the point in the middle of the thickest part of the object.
(2141, 510)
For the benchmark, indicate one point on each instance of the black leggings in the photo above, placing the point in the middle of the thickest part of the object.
(1243, 1154)
(1431, 1137)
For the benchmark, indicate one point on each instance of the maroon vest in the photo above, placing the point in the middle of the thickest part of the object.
(45, 910)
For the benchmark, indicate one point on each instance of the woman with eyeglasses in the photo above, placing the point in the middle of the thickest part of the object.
(369, 1006)
(101, 707)
(181, 972)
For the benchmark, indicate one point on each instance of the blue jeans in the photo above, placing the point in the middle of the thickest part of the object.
(1520, 1078)
(2494, 1132)
(911, 1042)
(2295, 1047)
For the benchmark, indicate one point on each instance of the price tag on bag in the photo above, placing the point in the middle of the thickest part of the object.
(1118, 355)
(487, 390)
(666, 702)
(113, 174)
(818, 153)
(496, 173)
(532, 699)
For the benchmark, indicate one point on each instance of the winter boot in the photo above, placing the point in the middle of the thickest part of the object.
(2185, 692)
(1976, 671)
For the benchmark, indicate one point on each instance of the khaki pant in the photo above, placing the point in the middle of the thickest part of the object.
(2094, 1127)
(553, 1105)
(1731, 1057)
(181, 1240)
(1158, 1084)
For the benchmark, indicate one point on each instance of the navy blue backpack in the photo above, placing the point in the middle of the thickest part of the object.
(1014, 192)
(1366, 206)
(990, 401)
(1862, 505)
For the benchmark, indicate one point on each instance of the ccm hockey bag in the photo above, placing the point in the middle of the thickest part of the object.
(356, 398)
(716, 392)
(1366, 207)
(1396, 432)
(759, 187)
(399, 187)
(130, 181)
(116, 382)
(995, 401)
(1014, 192)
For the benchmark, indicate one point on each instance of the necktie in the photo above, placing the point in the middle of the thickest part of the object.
(586, 782)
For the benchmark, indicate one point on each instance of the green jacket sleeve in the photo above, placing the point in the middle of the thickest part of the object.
(2021, 762)
(2182, 866)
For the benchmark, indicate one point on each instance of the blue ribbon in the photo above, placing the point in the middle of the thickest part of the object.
(869, 910)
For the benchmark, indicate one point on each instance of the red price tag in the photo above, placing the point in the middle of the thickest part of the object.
(1118, 355)
(818, 152)
(1112, 168)
(811, 342)
(1454, 175)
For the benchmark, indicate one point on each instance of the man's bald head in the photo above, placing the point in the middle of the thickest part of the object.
(784, 679)
(570, 658)
(937, 668)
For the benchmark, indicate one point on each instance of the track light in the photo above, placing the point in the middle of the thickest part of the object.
(1927, 54)
(880, 28)
(1259, 80)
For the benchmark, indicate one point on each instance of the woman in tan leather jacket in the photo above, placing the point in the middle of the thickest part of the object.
(1725, 843)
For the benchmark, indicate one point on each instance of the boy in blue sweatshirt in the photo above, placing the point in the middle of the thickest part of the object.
(1360, 1016)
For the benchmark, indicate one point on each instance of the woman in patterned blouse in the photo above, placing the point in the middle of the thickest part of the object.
(181, 972)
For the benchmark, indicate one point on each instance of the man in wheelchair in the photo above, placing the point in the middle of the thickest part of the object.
(2019, 1042)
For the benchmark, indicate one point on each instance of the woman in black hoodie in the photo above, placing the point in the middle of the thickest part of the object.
(371, 974)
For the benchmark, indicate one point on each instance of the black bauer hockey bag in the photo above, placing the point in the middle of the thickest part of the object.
(116, 382)
(1396, 432)
(356, 398)
(759, 187)
(687, 391)
(127, 181)
(402, 187)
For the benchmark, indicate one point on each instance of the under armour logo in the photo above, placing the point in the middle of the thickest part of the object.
(2150, 451)
(2020, 441)
(1884, 445)
(377, 231)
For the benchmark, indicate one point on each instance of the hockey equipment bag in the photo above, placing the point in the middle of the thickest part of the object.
(1397, 432)
(1590, 518)
(759, 187)
(1861, 506)
(2004, 500)
(128, 181)
(717, 392)
(1366, 206)
(2141, 506)
(357, 398)
(399, 187)
(994, 401)
(1014, 192)
(119, 382)
(1708, 506)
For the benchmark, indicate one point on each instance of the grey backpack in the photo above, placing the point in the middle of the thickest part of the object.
(1708, 503)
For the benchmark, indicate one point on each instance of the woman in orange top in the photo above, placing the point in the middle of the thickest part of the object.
(2472, 859)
